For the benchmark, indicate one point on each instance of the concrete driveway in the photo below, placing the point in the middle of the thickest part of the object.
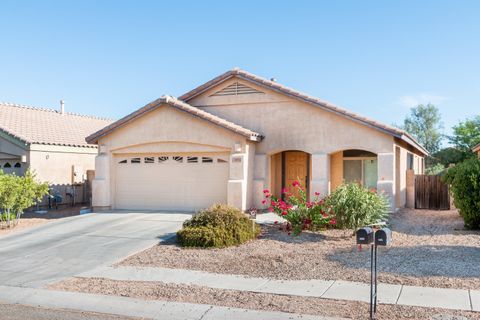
(67, 247)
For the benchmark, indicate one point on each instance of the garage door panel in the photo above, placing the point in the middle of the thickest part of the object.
(168, 184)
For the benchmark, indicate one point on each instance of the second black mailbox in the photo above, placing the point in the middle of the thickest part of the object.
(383, 237)
(365, 235)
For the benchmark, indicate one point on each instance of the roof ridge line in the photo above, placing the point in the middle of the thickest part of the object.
(307, 98)
(16, 105)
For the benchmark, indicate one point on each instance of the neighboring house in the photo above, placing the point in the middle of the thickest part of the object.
(476, 149)
(232, 137)
(49, 142)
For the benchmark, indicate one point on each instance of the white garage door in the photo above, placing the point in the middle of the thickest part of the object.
(170, 182)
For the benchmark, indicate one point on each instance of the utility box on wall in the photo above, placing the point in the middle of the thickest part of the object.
(77, 174)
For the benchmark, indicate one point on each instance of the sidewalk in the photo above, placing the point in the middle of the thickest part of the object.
(455, 299)
(130, 307)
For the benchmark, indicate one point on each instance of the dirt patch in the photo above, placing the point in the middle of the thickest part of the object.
(430, 248)
(31, 219)
(251, 300)
(21, 312)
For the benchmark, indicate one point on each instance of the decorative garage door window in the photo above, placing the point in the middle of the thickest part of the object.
(173, 160)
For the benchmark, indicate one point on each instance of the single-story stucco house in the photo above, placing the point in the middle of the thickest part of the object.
(476, 149)
(49, 142)
(232, 137)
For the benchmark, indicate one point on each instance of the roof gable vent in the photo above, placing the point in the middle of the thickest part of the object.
(236, 89)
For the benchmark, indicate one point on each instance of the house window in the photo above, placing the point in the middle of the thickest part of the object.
(149, 159)
(135, 160)
(18, 165)
(219, 160)
(192, 159)
(360, 166)
(363, 171)
(409, 161)
(123, 161)
(7, 165)
(162, 159)
(207, 160)
(178, 159)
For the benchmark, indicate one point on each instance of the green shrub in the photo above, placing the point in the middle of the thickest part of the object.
(219, 226)
(464, 181)
(355, 206)
(435, 169)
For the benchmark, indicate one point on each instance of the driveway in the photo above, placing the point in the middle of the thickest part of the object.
(67, 247)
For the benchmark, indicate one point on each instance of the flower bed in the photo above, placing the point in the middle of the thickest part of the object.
(300, 213)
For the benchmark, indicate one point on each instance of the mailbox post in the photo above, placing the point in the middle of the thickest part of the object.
(381, 237)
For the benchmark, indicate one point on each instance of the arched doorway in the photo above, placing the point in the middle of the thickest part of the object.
(287, 167)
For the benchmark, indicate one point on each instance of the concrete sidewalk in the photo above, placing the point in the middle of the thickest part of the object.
(455, 299)
(150, 309)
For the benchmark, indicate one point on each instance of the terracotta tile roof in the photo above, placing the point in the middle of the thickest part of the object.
(183, 106)
(241, 74)
(47, 126)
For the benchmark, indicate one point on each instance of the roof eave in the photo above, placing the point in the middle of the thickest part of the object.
(415, 144)
(93, 138)
(237, 73)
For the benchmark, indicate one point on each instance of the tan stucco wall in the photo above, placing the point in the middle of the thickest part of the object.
(286, 123)
(289, 124)
(165, 130)
(54, 164)
(336, 170)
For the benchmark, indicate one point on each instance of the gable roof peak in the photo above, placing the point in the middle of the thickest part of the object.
(180, 105)
(330, 107)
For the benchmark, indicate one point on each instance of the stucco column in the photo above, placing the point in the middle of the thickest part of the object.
(320, 175)
(259, 179)
(101, 183)
(237, 182)
(410, 189)
(386, 177)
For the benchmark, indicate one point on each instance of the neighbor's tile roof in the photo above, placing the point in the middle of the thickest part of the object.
(46, 126)
(272, 85)
(174, 102)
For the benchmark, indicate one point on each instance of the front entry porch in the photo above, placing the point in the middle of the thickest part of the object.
(287, 167)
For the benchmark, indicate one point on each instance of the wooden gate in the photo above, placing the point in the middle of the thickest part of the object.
(431, 193)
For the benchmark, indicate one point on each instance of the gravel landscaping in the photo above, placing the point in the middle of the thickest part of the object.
(430, 248)
(256, 301)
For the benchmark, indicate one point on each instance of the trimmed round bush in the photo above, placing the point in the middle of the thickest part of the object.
(464, 181)
(355, 206)
(218, 226)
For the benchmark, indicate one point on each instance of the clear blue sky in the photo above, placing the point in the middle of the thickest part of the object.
(377, 58)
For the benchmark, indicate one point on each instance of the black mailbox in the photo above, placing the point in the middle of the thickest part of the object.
(383, 237)
(365, 235)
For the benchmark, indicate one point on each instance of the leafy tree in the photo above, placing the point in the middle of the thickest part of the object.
(424, 123)
(448, 156)
(17, 194)
(435, 169)
(466, 135)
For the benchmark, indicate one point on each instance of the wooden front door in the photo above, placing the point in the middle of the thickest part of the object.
(296, 168)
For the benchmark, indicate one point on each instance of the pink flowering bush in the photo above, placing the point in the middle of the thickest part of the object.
(300, 213)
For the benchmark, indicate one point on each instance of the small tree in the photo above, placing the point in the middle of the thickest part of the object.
(19, 193)
(466, 135)
(424, 123)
